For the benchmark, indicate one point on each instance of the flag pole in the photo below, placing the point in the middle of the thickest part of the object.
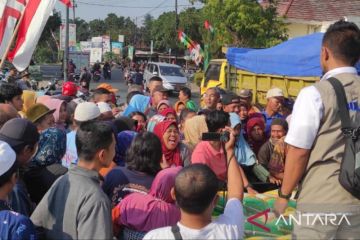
(3, 59)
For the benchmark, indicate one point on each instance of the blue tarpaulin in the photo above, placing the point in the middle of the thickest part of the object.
(296, 57)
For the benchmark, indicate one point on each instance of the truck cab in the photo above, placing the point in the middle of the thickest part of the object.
(215, 75)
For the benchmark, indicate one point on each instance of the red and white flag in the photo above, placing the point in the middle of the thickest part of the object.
(68, 3)
(10, 13)
(36, 14)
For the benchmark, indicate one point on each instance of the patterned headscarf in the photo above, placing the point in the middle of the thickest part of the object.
(52, 147)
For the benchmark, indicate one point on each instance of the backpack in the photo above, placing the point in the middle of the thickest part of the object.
(349, 176)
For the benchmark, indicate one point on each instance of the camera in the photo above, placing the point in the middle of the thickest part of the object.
(216, 137)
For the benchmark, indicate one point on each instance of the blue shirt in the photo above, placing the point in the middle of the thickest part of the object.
(268, 121)
(16, 226)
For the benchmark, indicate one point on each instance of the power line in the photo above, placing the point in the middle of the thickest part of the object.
(124, 6)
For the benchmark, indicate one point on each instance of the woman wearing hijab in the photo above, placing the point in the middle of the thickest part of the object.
(163, 104)
(29, 99)
(169, 114)
(193, 130)
(45, 167)
(255, 129)
(141, 213)
(138, 103)
(174, 152)
(179, 106)
(124, 140)
(60, 113)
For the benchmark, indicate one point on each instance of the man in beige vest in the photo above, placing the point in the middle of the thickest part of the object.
(316, 144)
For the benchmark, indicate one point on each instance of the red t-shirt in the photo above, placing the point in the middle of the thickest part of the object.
(204, 153)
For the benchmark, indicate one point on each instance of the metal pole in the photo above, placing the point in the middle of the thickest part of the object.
(176, 24)
(74, 10)
(66, 52)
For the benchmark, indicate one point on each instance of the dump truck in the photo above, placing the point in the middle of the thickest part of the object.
(291, 66)
(221, 74)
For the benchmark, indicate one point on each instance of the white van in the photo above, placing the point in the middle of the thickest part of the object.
(171, 74)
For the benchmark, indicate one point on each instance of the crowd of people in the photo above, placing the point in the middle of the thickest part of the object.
(75, 169)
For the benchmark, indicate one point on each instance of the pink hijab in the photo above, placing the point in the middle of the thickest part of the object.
(156, 209)
(53, 103)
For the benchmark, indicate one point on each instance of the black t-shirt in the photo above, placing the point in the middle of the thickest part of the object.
(121, 181)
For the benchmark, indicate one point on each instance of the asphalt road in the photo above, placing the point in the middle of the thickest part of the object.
(117, 81)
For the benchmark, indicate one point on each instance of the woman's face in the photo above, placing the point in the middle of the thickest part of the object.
(62, 113)
(171, 137)
(140, 120)
(244, 113)
(257, 133)
(162, 107)
(180, 108)
(171, 117)
(48, 121)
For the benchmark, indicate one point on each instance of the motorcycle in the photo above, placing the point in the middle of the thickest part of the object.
(96, 76)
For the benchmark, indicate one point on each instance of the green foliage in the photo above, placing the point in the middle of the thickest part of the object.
(44, 55)
(97, 27)
(82, 30)
(245, 23)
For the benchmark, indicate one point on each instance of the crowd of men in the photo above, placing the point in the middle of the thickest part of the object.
(75, 169)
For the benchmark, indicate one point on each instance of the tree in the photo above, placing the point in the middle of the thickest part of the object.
(82, 30)
(245, 23)
(97, 27)
(113, 24)
(145, 31)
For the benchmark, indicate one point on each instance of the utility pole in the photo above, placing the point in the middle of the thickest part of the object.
(74, 6)
(66, 51)
(176, 25)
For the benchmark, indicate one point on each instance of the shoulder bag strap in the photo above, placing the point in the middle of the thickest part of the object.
(176, 231)
(342, 103)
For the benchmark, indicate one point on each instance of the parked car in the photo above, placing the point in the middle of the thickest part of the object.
(171, 74)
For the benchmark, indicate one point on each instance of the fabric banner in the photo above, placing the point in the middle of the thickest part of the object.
(72, 35)
(36, 14)
(10, 13)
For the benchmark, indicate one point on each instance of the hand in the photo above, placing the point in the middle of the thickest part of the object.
(229, 146)
(115, 111)
(274, 180)
(250, 190)
(280, 206)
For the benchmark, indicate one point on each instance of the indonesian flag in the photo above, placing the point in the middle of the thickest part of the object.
(208, 26)
(36, 14)
(67, 3)
(10, 12)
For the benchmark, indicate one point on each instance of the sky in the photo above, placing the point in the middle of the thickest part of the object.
(135, 9)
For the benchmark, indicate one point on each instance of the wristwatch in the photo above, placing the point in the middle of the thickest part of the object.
(281, 195)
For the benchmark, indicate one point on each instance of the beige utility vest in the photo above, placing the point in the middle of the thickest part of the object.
(320, 190)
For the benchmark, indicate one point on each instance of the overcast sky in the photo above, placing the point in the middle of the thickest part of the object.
(98, 9)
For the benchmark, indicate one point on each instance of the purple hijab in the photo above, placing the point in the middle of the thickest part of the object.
(145, 212)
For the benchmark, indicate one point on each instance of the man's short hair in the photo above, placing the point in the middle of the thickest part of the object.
(8, 91)
(343, 39)
(92, 137)
(155, 79)
(195, 188)
(216, 120)
(186, 91)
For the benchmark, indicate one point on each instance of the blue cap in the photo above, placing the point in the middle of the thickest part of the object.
(234, 119)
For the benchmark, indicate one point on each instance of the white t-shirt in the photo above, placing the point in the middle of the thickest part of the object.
(70, 156)
(308, 112)
(229, 225)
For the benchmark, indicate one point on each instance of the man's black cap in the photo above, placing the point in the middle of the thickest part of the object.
(230, 98)
(18, 131)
